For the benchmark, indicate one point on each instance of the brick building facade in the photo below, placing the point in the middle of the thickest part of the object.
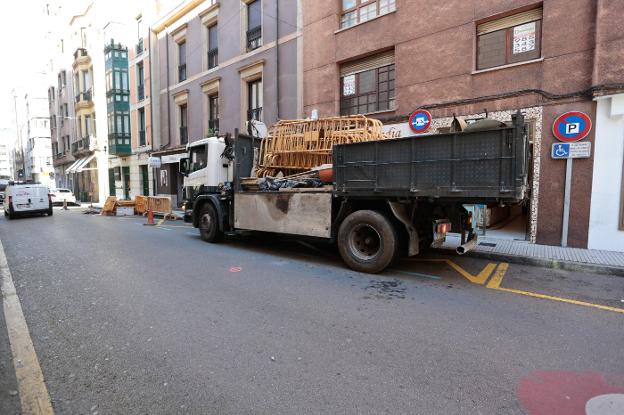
(390, 57)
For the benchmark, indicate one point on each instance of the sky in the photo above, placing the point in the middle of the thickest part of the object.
(24, 20)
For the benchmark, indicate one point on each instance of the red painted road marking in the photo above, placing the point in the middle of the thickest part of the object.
(562, 392)
(236, 269)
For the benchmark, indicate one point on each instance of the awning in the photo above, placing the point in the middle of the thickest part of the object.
(83, 165)
(72, 168)
(80, 165)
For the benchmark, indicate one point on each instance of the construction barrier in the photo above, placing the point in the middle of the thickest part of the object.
(299, 145)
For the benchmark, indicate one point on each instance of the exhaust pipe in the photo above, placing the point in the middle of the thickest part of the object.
(468, 246)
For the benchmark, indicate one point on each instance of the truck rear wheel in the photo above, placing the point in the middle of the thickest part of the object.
(209, 224)
(367, 241)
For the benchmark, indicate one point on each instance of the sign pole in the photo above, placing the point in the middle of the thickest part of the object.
(566, 203)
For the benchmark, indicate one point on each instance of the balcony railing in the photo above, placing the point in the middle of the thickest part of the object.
(213, 58)
(80, 52)
(140, 92)
(84, 96)
(82, 145)
(254, 114)
(183, 135)
(182, 72)
(254, 38)
(141, 137)
(213, 126)
(139, 47)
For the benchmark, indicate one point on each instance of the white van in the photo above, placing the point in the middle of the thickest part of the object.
(28, 198)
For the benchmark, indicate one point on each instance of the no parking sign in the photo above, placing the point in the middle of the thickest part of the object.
(572, 126)
(420, 121)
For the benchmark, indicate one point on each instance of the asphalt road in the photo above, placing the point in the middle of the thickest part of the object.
(129, 319)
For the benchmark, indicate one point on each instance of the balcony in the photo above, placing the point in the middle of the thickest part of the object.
(81, 59)
(84, 100)
(140, 92)
(213, 127)
(254, 38)
(83, 147)
(182, 72)
(119, 144)
(183, 135)
(142, 141)
(139, 47)
(213, 58)
(80, 52)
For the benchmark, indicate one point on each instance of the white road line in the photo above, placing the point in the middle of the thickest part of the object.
(33, 393)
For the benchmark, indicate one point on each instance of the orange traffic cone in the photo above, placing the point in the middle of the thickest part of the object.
(150, 218)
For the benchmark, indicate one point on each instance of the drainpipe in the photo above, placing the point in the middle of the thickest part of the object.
(151, 100)
(277, 59)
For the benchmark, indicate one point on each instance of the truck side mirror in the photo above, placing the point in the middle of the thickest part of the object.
(184, 166)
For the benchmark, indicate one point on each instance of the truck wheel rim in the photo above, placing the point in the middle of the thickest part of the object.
(364, 242)
(206, 222)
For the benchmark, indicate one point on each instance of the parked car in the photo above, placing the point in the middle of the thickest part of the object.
(27, 198)
(58, 196)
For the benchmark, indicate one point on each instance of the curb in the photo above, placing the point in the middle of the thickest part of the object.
(544, 262)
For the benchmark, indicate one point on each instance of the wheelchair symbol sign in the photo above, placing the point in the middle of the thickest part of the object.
(561, 150)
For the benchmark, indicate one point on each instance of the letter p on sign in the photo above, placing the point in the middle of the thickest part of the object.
(573, 128)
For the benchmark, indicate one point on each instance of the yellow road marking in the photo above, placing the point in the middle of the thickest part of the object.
(33, 393)
(497, 278)
(561, 299)
(480, 278)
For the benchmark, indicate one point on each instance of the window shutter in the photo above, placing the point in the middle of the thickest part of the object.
(373, 62)
(509, 21)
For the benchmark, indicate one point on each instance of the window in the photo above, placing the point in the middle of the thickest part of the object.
(254, 25)
(213, 114)
(368, 85)
(199, 158)
(254, 106)
(140, 81)
(181, 61)
(88, 125)
(511, 39)
(141, 122)
(183, 124)
(86, 81)
(213, 47)
(360, 11)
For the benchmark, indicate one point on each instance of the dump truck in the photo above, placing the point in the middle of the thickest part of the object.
(388, 198)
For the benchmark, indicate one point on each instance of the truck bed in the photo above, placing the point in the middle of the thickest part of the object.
(480, 166)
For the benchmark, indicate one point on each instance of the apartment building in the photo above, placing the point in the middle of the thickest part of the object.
(38, 147)
(217, 65)
(7, 136)
(63, 131)
(129, 113)
(387, 58)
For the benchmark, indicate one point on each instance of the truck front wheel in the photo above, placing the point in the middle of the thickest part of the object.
(209, 224)
(367, 241)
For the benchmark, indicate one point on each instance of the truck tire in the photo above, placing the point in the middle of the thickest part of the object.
(209, 224)
(367, 241)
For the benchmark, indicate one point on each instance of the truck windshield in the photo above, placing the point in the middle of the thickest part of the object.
(198, 158)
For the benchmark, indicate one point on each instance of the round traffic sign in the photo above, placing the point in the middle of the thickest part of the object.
(572, 126)
(420, 121)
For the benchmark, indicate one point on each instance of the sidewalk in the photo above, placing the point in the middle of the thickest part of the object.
(514, 251)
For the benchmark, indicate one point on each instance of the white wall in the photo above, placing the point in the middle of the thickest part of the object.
(607, 178)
